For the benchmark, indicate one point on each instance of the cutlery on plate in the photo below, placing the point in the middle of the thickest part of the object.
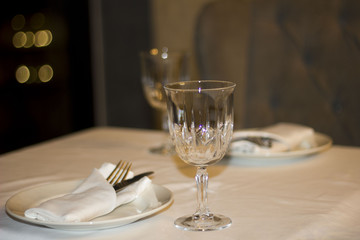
(124, 183)
(119, 173)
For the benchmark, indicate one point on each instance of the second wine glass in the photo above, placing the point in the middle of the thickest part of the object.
(160, 67)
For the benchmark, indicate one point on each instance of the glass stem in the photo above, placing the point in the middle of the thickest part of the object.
(202, 211)
(164, 120)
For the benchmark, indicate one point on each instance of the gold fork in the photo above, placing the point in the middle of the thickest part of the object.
(119, 173)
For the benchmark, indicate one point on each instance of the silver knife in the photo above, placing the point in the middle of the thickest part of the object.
(121, 185)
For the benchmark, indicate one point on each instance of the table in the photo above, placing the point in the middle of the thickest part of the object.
(314, 197)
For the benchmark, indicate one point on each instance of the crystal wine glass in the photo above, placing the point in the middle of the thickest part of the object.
(200, 116)
(159, 67)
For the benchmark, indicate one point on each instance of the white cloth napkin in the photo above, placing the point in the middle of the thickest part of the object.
(288, 136)
(94, 197)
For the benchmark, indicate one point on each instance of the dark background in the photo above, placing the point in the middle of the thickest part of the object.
(34, 112)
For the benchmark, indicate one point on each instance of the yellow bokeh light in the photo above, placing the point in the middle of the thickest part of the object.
(22, 74)
(43, 38)
(19, 39)
(30, 39)
(45, 73)
(18, 22)
(154, 51)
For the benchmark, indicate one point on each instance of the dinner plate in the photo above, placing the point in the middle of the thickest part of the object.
(125, 214)
(322, 141)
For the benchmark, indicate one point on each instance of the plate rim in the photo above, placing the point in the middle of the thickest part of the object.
(88, 225)
(289, 154)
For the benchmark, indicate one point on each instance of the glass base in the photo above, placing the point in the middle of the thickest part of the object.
(216, 222)
(165, 149)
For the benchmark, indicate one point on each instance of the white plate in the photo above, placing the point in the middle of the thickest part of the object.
(20, 202)
(323, 142)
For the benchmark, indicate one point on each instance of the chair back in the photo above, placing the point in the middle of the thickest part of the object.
(293, 61)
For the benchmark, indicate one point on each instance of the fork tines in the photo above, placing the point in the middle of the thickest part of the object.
(119, 173)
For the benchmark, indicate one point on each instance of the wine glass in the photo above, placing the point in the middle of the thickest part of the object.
(159, 67)
(200, 116)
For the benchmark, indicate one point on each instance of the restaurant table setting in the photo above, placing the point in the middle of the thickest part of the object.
(93, 197)
(311, 195)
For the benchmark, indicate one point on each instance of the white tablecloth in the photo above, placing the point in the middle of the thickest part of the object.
(315, 197)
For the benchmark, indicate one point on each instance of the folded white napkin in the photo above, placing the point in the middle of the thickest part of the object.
(94, 197)
(288, 136)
